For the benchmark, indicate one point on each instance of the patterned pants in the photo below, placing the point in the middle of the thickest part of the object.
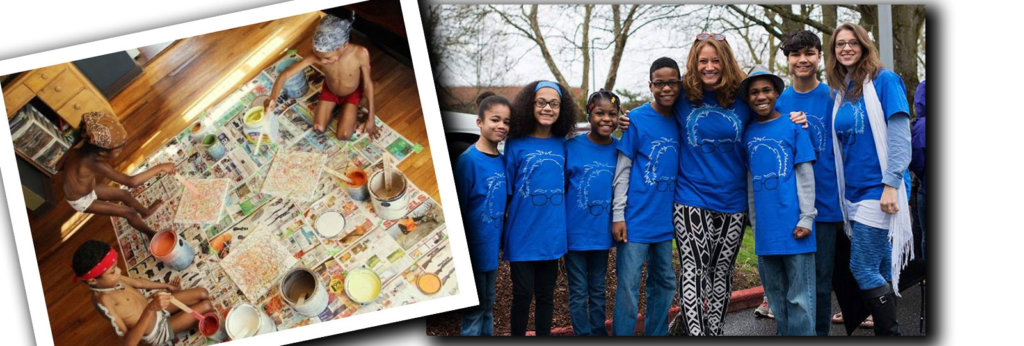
(708, 243)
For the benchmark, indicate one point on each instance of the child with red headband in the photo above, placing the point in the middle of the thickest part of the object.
(135, 317)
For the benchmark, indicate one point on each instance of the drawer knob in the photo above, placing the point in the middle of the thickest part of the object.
(58, 88)
(44, 75)
(77, 107)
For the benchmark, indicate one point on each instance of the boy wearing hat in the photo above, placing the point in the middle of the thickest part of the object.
(781, 188)
(134, 317)
(346, 68)
(103, 137)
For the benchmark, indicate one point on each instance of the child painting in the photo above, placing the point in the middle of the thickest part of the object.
(346, 68)
(103, 138)
(135, 317)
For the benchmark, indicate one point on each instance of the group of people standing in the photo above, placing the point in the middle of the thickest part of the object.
(706, 156)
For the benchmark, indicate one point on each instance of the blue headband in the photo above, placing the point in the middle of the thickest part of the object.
(547, 84)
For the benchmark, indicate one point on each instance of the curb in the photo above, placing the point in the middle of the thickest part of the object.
(739, 300)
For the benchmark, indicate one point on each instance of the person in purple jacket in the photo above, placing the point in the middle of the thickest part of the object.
(917, 154)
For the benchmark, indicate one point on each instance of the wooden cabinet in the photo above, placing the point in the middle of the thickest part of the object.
(62, 87)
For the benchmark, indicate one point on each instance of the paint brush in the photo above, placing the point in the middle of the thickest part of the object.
(188, 185)
(337, 174)
(185, 308)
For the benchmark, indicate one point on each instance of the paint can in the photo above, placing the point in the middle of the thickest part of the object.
(297, 85)
(211, 327)
(213, 147)
(245, 320)
(357, 188)
(304, 292)
(168, 247)
(259, 126)
(329, 224)
(391, 203)
(197, 131)
(362, 285)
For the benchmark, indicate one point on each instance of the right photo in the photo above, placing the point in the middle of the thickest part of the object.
(687, 170)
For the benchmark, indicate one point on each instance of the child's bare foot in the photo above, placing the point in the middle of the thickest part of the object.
(152, 208)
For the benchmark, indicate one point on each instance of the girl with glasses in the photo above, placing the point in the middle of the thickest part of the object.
(590, 163)
(871, 136)
(543, 113)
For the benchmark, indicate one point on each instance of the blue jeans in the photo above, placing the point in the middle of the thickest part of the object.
(586, 271)
(479, 320)
(661, 287)
(824, 260)
(789, 284)
(870, 256)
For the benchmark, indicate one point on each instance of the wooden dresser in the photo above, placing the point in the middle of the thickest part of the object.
(62, 87)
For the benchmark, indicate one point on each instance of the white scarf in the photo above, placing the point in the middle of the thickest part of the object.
(901, 235)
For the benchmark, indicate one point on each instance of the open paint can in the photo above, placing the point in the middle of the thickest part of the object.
(303, 291)
(362, 285)
(213, 147)
(168, 247)
(389, 202)
(259, 126)
(330, 224)
(357, 188)
(245, 320)
(211, 327)
(428, 283)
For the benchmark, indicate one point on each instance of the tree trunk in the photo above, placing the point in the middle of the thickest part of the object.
(585, 84)
(538, 37)
(905, 40)
(620, 28)
(829, 18)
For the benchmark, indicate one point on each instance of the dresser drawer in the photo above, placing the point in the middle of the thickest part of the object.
(16, 97)
(83, 102)
(61, 89)
(38, 79)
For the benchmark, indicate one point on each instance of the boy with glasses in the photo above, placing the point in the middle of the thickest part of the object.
(642, 212)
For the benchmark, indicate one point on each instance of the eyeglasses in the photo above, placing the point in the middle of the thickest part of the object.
(851, 43)
(762, 183)
(542, 199)
(598, 208)
(541, 103)
(664, 185)
(705, 36)
(722, 146)
(660, 84)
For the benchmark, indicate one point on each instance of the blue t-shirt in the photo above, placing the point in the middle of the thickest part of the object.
(817, 104)
(481, 187)
(712, 170)
(860, 159)
(590, 168)
(652, 142)
(535, 228)
(773, 150)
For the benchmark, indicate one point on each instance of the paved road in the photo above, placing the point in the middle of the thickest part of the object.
(744, 322)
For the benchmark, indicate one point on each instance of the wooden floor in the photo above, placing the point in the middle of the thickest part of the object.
(191, 75)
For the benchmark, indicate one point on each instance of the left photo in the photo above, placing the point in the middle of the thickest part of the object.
(235, 184)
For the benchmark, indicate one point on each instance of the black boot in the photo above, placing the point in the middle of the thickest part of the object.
(882, 301)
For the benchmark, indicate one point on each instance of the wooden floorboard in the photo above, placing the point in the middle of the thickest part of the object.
(152, 108)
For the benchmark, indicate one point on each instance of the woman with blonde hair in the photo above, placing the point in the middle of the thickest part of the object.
(871, 137)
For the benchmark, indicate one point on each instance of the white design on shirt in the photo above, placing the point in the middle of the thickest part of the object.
(708, 112)
(818, 128)
(495, 190)
(590, 172)
(658, 147)
(532, 162)
(777, 148)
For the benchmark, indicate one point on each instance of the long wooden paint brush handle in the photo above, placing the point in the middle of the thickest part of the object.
(337, 174)
(185, 308)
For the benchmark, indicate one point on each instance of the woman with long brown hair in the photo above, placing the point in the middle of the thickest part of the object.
(871, 137)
